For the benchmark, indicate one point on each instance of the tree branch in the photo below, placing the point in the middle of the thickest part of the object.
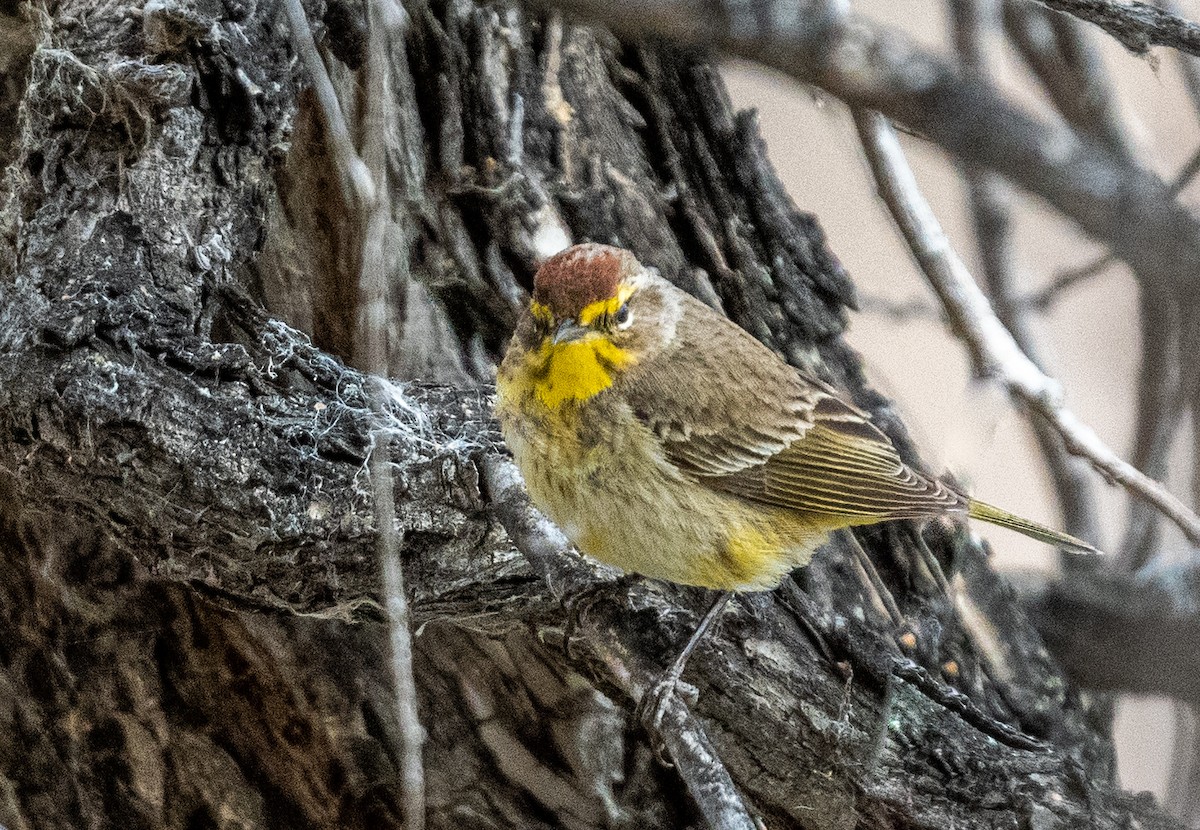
(552, 556)
(1183, 792)
(992, 347)
(355, 178)
(189, 575)
(1160, 410)
(1125, 633)
(1118, 203)
(1066, 280)
(1056, 48)
(991, 209)
(366, 189)
(1138, 26)
(386, 27)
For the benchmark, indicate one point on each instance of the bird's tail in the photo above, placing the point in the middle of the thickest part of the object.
(994, 515)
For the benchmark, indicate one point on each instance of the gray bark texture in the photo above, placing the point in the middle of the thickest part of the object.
(191, 631)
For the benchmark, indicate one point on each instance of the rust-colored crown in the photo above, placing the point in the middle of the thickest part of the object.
(582, 274)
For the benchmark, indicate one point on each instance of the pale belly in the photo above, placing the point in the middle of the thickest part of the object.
(629, 508)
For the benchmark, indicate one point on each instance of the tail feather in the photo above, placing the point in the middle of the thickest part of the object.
(994, 515)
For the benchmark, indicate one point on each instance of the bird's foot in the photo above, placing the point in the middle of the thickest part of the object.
(656, 700)
(577, 603)
(653, 706)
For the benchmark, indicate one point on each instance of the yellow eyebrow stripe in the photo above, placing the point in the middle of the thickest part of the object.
(608, 306)
(541, 312)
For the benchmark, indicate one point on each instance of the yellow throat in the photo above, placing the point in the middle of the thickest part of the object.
(575, 370)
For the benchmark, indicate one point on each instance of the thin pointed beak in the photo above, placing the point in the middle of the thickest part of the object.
(567, 331)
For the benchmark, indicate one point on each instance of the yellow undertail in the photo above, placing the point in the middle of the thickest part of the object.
(994, 515)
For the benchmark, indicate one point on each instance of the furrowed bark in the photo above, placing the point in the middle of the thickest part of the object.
(189, 595)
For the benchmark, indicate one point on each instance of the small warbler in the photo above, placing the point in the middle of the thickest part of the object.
(667, 441)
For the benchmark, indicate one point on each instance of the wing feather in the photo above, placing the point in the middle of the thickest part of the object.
(771, 435)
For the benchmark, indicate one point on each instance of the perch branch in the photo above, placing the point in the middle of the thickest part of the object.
(550, 554)
(992, 348)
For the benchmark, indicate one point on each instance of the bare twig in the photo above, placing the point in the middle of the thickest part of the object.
(365, 186)
(1183, 790)
(1189, 64)
(1192, 329)
(385, 28)
(1069, 279)
(353, 174)
(549, 552)
(872, 582)
(992, 348)
(901, 311)
(868, 65)
(1056, 48)
(1159, 413)
(1183, 794)
(962, 705)
(991, 208)
(1138, 26)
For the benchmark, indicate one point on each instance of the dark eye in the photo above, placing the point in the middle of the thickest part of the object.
(623, 317)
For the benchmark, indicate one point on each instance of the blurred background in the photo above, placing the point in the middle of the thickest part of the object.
(1089, 339)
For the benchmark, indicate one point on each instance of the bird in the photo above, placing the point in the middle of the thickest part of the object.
(665, 440)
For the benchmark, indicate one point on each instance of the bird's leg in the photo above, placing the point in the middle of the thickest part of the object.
(653, 705)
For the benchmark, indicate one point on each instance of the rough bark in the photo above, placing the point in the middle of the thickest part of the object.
(190, 631)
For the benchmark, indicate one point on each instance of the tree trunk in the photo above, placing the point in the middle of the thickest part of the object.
(191, 632)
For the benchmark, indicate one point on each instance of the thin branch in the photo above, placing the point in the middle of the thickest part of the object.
(1138, 26)
(1069, 279)
(865, 64)
(1159, 413)
(961, 704)
(1189, 65)
(872, 583)
(1056, 48)
(1192, 391)
(365, 186)
(900, 311)
(993, 350)
(1183, 794)
(386, 24)
(1183, 789)
(551, 555)
(353, 174)
(991, 209)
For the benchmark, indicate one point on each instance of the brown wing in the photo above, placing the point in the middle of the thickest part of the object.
(833, 472)
(768, 434)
